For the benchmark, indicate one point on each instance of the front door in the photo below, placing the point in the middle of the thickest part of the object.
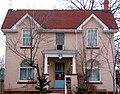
(59, 75)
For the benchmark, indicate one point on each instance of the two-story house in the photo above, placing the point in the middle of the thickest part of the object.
(72, 40)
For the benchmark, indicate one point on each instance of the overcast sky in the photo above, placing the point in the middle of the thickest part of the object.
(24, 4)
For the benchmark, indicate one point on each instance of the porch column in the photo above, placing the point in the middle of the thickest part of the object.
(73, 65)
(46, 65)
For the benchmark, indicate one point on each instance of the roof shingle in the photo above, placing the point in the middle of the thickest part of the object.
(59, 19)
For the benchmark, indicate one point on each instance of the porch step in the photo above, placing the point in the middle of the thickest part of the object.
(60, 91)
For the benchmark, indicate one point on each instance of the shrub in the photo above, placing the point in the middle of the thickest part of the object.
(81, 90)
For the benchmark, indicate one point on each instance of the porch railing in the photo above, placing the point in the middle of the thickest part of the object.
(66, 76)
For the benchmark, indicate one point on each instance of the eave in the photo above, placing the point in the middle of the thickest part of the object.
(111, 31)
(61, 30)
(9, 31)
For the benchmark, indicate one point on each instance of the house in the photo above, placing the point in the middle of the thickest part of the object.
(73, 37)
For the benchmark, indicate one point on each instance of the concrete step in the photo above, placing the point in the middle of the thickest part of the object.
(55, 93)
(60, 91)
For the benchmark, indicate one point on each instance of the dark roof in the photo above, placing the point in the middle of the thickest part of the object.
(59, 19)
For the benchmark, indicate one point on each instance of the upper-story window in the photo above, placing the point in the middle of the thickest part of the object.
(92, 37)
(26, 71)
(92, 71)
(60, 41)
(26, 37)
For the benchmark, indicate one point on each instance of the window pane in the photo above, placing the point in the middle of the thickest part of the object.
(59, 67)
(60, 38)
(23, 73)
(92, 71)
(92, 64)
(30, 73)
(26, 37)
(89, 38)
(95, 38)
(96, 65)
(25, 64)
(26, 71)
(24, 41)
(95, 75)
(88, 74)
(92, 37)
(59, 75)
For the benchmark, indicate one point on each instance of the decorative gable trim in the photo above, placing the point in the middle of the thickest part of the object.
(96, 18)
(111, 31)
(24, 17)
(9, 30)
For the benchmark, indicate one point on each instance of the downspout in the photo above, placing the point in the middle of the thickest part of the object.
(76, 40)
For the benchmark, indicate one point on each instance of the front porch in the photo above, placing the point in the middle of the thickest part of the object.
(57, 64)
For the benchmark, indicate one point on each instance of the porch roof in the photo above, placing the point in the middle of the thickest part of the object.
(56, 53)
(59, 51)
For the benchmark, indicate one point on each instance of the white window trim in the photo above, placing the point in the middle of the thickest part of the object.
(87, 37)
(22, 37)
(62, 45)
(26, 80)
(99, 75)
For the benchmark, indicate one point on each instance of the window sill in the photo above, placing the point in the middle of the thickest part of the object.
(94, 82)
(23, 82)
(26, 47)
(92, 47)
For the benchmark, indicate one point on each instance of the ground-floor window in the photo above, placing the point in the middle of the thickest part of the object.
(92, 71)
(26, 71)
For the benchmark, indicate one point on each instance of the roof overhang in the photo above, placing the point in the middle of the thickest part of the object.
(13, 29)
(111, 31)
(96, 18)
(61, 30)
(9, 30)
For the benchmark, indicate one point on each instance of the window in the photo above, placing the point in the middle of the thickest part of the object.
(26, 72)
(92, 36)
(60, 41)
(92, 71)
(26, 38)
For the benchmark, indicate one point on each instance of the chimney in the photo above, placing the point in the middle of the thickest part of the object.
(106, 4)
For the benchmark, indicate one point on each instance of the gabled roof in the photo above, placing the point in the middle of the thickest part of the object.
(59, 19)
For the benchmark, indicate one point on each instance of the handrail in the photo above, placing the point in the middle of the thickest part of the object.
(66, 76)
